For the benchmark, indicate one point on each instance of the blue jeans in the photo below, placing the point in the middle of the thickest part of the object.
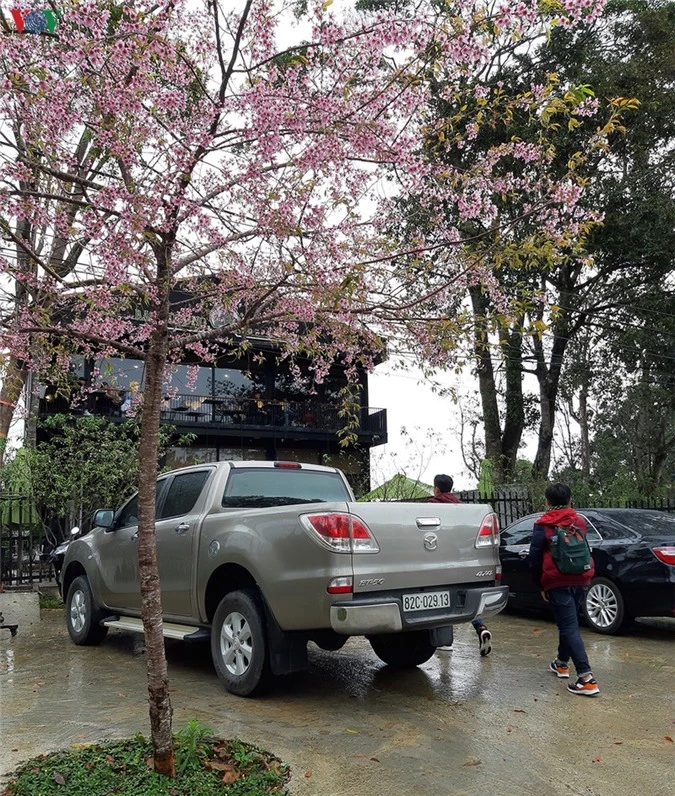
(566, 603)
(477, 623)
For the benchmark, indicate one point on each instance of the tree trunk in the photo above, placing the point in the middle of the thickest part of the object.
(486, 380)
(12, 385)
(542, 459)
(151, 606)
(660, 459)
(514, 415)
(585, 435)
(549, 382)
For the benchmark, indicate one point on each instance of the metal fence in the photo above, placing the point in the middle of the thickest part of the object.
(23, 558)
(511, 505)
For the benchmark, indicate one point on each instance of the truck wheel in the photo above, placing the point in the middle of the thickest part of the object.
(83, 615)
(239, 644)
(403, 650)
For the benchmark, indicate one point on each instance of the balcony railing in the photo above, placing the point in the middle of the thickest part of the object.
(242, 413)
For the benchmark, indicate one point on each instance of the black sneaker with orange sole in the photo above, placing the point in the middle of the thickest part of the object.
(559, 669)
(584, 687)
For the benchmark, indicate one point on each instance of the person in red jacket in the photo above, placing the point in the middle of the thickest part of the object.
(443, 494)
(564, 593)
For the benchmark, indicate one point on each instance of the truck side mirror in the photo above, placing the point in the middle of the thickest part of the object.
(104, 518)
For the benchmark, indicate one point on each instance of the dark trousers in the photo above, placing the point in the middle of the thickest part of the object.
(566, 603)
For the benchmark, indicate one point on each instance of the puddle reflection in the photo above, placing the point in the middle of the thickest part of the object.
(7, 662)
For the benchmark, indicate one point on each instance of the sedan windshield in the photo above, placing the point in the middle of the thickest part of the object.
(649, 523)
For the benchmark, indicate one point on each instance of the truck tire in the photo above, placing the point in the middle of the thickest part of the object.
(403, 650)
(239, 644)
(83, 615)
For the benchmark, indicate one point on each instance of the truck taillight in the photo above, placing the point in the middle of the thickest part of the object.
(343, 585)
(665, 554)
(498, 573)
(341, 533)
(488, 535)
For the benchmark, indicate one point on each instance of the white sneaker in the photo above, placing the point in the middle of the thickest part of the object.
(446, 648)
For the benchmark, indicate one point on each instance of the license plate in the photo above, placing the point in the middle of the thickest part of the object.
(426, 601)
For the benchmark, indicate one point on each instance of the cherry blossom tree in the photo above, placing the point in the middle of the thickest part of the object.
(250, 155)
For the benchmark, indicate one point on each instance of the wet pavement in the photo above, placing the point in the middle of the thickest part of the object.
(458, 725)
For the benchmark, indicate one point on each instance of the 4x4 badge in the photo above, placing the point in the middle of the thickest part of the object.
(430, 541)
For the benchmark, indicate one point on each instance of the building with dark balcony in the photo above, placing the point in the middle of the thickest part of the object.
(236, 408)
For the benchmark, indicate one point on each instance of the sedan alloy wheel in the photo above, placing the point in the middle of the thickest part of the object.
(603, 607)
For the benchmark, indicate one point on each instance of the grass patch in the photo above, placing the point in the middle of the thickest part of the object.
(50, 601)
(206, 766)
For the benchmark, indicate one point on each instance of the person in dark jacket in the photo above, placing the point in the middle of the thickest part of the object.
(564, 593)
(443, 494)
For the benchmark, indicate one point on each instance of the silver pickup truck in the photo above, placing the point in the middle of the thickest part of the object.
(262, 557)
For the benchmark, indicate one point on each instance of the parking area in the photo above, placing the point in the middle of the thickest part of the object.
(457, 725)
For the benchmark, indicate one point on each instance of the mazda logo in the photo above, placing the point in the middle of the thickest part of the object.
(430, 541)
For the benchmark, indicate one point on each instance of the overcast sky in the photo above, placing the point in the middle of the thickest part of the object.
(431, 443)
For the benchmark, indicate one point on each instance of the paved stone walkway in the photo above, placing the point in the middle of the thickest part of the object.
(458, 725)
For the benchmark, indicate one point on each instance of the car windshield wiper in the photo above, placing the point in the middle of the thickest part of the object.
(265, 501)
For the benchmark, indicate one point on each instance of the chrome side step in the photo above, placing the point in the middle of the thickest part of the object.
(171, 629)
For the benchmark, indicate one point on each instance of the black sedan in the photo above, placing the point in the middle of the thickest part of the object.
(634, 554)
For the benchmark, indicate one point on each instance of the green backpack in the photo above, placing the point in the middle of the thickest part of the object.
(570, 551)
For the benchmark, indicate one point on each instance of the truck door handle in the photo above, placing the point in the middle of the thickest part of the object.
(428, 522)
(182, 529)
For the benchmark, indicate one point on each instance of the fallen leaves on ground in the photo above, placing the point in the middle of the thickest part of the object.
(229, 772)
(308, 774)
(668, 738)
(473, 761)
(59, 778)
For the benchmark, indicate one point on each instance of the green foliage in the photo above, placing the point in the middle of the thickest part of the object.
(191, 747)
(212, 768)
(50, 601)
(87, 463)
(399, 487)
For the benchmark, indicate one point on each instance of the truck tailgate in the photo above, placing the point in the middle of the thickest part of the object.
(422, 544)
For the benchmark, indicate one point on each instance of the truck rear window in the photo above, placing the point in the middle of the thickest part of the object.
(251, 488)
